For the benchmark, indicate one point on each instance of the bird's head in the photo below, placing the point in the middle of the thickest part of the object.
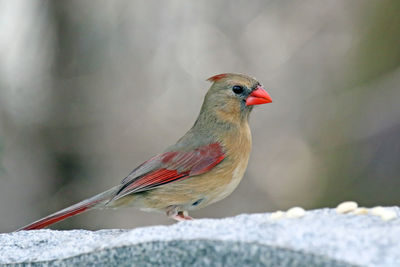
(233, 96)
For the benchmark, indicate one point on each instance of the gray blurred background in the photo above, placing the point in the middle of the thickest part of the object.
(91, 89)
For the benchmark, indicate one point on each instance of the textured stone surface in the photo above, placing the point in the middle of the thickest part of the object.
(321, 237)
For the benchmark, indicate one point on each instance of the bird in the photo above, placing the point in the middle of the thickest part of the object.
(204, 166)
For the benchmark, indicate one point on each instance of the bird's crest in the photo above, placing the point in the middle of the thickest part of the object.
(217, 77)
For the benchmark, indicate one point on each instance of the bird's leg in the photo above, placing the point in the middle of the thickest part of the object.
(182, 216)
(173, 213)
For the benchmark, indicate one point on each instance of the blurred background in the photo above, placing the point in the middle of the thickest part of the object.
(91, 89)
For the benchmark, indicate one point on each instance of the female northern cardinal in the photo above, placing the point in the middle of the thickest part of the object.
(203, 167)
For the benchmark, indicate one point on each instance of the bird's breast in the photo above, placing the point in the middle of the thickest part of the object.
(229, 173)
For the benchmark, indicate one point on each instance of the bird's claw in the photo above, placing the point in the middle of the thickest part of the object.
(178, 215)
(182, 216)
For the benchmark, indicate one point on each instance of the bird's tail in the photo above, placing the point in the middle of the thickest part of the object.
(96, 201)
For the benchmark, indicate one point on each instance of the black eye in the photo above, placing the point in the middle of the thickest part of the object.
(237, 89)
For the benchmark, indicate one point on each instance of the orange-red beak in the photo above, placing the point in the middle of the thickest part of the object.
(258, 96)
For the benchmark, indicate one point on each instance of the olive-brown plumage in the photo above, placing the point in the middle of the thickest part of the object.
(204, 166)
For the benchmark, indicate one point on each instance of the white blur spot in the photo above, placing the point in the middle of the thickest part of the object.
(384, 213)
(277, 215)
(26, 54)
(360, 211)
(346, 207)
(295, 212)
(388, 215)
(377, 211)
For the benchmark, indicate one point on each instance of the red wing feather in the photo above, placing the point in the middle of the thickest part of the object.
(157, 177)
(171, 166)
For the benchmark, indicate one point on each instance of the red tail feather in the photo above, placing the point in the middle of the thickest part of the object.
(42, 223)
(85, 205)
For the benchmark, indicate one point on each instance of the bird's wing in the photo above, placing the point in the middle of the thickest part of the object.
(171, 166)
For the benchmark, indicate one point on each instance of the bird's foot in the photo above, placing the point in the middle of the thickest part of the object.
(182, 216)
(178, 215)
